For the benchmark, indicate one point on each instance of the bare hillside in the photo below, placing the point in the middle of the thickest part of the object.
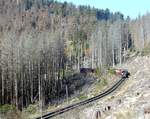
(131, 101)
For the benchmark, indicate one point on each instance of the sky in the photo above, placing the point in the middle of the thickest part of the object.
(132, 8)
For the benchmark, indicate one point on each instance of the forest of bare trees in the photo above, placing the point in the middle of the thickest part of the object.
(41, 40)
(140, 30)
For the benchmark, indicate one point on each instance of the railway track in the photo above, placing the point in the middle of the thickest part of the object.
(73, 106)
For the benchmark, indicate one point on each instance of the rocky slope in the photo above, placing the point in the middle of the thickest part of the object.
(130, 101)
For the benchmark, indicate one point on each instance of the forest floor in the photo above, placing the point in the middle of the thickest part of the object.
(92, 87)
(130, 101)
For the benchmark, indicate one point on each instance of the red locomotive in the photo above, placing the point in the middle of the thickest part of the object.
(123, 72)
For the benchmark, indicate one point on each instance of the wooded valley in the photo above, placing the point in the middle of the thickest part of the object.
(42, 40)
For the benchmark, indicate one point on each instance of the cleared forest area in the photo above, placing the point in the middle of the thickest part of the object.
(44, 41)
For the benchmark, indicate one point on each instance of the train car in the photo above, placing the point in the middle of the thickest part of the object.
(87, 70)
(123, 72)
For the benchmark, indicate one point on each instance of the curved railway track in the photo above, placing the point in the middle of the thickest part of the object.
(73, 106)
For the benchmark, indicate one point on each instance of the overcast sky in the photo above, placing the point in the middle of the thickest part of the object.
(130, 8)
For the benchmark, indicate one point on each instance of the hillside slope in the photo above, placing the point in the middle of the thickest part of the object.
(131, 101)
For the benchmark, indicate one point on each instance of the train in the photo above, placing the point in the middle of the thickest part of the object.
(124, 73)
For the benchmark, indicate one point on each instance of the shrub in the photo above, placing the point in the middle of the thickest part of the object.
(100, 84)
(104, 82)
(82, 97)
(31, 109)
(111, 71)
(98, 72)
(7, 108)
(145, 51)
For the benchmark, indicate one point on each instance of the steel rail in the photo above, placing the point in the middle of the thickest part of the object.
(73, 106)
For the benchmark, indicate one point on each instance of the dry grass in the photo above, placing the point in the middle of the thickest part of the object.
(125, 114)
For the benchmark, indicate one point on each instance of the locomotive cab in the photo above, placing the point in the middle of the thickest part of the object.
(123, 72)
